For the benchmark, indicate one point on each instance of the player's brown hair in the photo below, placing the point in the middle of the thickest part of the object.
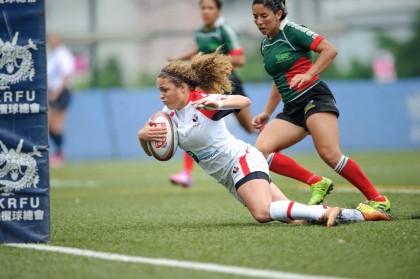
(210, 72)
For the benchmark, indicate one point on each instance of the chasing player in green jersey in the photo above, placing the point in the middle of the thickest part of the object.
(309, 105)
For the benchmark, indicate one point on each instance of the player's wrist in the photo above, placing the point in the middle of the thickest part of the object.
(220, 104)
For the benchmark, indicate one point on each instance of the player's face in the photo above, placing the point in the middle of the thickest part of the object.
(266, 20)
(209, 12)
(172, 96)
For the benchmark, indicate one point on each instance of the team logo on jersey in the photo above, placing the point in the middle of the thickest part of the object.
(281, 57)
(18, 170)
(16, 63)
(309, 106)
(195, 118)
(235, 169)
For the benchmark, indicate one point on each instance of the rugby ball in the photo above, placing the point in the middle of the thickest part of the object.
(164, 150)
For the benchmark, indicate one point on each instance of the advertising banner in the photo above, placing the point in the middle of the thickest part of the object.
(24, 171)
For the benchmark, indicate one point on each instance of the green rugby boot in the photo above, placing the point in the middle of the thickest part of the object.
(320, 190)
(372, 214)
(384, 206)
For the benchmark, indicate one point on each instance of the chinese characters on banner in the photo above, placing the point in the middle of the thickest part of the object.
(24, 172)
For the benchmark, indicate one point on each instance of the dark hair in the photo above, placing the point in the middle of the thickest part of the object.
(274, 5)
(219, 3)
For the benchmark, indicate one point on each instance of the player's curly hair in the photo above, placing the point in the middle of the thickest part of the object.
(210, 72)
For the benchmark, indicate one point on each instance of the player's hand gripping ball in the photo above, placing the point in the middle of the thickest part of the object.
(164, 150)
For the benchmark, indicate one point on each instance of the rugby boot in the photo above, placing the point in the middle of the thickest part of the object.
(181, 178)
(320, 190)
(385, 205)
(372, 214)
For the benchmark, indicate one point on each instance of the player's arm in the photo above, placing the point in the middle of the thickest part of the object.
(237, 59)
(223, 102)
(327, 53)
(273, 101)
(150, 132)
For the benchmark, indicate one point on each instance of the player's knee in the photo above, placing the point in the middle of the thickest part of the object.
(329, 157)
(262, 216)
(264, 148)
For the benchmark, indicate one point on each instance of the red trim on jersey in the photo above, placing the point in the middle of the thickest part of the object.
(237, 51)
(300, 67)
(316, 42)
(244, 164)
(197, 95)
(289, 210)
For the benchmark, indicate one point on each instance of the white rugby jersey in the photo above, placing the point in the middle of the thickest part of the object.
(204, 136)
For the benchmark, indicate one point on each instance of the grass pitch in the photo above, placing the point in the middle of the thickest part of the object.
(129, 208)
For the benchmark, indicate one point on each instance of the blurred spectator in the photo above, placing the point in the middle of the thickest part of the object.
(60, 68)
(383, 66)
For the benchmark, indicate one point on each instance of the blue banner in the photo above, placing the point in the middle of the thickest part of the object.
(24, 170)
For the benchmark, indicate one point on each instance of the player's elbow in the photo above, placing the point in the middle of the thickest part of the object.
(334, 52)
(248, 102)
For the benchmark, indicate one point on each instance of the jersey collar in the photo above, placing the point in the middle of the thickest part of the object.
(283, 23)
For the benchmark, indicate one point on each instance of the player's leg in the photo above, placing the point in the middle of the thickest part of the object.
(184, 177)
(279, 135)
(56, 119)
(257, 197)
(325, 134)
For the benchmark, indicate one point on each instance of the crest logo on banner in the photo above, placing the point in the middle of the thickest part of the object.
(18, 170)
(16, 61)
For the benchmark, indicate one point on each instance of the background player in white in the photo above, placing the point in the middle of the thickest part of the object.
(60, 67)
(238, 166)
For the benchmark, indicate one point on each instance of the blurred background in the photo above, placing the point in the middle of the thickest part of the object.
(121, 45)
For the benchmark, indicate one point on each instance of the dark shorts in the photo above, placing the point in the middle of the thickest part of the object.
(62, 102)
(252, 176)
(237, 85)
(317, 99)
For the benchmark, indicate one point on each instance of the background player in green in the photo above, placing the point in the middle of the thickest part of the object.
(309, 106)
(214, 33)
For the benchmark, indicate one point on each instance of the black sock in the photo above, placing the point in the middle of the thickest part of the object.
(58, 141)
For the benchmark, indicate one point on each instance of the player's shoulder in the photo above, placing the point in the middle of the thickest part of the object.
(293, 27)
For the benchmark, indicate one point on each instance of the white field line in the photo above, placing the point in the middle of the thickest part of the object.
(209, 267)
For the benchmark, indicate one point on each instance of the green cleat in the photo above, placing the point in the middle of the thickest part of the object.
(372, 214)
(331, 216)
(320, 190)
(384, 206)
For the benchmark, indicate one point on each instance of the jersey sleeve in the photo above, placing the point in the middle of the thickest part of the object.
(67, 63)
(231, 41)
(304, 37)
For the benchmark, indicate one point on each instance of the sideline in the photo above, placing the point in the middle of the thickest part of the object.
(209, 267)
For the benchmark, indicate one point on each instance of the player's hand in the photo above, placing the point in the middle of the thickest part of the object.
(152, 131)
(206, 104)
(299, 80)
(260, 120)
